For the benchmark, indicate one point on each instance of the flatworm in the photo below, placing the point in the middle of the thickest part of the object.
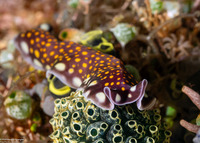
(102, 78)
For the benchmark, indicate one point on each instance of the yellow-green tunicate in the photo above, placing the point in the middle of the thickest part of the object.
(96, 40)
(77, 120)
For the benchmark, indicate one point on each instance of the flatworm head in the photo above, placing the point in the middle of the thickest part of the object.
(102, 78)
(113, 87)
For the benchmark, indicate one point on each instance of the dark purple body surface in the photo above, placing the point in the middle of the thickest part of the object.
(102, 78)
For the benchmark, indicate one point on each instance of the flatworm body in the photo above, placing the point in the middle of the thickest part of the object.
(102, 78)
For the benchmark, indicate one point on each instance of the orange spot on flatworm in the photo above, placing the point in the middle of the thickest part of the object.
(97, 58)
(111, 76)
(43, 43)
(77, 60)
(49, 40)
(44, 55)
(42, 35)
(48, 44)
(78, 48)
(37, 53)
(84, 53)
(51, 53)
(56, 56)
(70, 51)
(31, 50)
(37, 33)
(29, 34)
(84, 65)
(32, 41)
(62, 43)
(80, 70)
(37, 39)
(43, 61)
(106, 84)
(61, 50)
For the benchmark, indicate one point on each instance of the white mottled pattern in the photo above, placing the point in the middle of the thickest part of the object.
(60, 66)
(117, 98)
(24, 47)
(48, 67)
(37, 63)
(129, 95)
(71, 70)
(101, 97)
(132, 89)
(76, 81)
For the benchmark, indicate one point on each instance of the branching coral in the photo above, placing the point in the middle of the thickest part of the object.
(195, 98)
(175, 48)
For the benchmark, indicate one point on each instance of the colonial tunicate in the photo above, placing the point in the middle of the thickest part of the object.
(78, 120)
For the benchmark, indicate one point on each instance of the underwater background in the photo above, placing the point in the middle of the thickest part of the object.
(150, 41)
